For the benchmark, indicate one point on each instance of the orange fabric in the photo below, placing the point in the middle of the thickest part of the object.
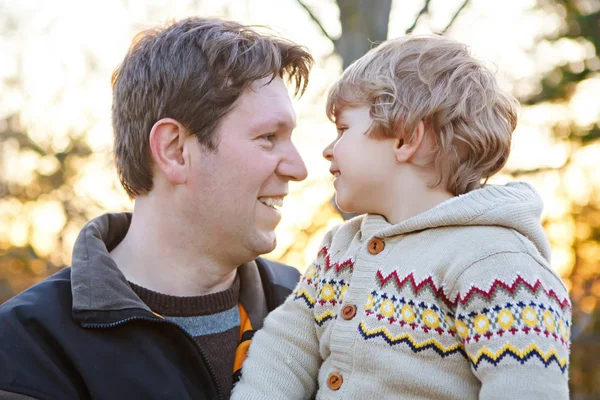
(242, 349)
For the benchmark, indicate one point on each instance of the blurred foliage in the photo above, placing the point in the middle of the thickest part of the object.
(582, 26)
(42, 203)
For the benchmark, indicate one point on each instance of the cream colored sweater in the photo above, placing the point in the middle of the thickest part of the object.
(458, 302)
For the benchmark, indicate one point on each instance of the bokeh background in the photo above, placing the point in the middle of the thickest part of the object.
(56, 166)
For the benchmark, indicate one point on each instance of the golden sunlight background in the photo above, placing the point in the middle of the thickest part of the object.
(56, 166)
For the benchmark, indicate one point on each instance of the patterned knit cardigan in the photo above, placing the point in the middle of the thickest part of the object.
(456, 303)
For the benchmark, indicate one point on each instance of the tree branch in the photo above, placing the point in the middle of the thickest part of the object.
(25, 142)
(516, 173)
(456, 14)
(423, 11)
(316, 20)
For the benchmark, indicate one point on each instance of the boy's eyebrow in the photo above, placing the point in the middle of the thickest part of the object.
(339, 117)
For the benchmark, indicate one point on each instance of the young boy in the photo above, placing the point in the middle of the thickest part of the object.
(443, 288)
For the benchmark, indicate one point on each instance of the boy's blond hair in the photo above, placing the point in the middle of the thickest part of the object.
(434, 80)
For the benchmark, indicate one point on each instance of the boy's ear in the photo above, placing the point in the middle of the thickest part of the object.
(404, 149)
(167, 138)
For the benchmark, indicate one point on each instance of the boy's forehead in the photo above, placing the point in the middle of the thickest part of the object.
(341, 110)
(339, 113)
(344, 111)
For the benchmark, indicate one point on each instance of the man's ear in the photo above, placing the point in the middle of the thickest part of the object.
(166, 144)
(404, 149)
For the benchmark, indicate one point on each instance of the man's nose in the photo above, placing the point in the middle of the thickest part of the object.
(292, 165)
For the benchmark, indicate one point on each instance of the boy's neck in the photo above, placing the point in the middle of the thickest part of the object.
(411, 196)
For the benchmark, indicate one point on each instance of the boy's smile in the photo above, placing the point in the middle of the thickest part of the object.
(359, 162)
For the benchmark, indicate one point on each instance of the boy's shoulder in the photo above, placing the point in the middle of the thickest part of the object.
(469, 242)
(492, 256)
(344, 231)
(479, 241)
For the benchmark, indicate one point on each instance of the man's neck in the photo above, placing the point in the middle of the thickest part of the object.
(157, 255)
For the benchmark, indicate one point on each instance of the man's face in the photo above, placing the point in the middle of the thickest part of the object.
(234, 191)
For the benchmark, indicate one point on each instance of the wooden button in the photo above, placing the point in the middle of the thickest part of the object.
(376, 246)
(348, 312)
(335, 381)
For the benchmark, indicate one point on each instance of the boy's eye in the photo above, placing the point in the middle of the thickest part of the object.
(341, 130)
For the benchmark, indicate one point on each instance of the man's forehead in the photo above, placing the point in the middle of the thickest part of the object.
(269, 87)
(275, 120)
(267, 103)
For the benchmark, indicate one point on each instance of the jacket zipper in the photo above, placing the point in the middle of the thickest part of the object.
(164, 321)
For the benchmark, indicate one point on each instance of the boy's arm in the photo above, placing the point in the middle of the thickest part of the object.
(284, 359)
(515, 328)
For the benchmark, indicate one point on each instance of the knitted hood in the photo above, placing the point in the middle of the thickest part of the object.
(515, 206)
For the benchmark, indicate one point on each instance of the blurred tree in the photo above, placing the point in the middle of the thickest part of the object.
(53, 178)
(39, 205)
(365, 23)
(580, 28)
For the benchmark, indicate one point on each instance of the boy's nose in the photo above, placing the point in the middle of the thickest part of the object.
(328, 152)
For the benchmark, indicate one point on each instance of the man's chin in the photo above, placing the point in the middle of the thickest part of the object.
(265, 242)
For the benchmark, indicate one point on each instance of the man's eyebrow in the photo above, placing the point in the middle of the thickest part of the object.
(274, 125)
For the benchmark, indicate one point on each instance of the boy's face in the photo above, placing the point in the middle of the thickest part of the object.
(361, 164)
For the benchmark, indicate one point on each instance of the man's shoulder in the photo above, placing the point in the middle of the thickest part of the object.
(30, 324)
(42, 301)
(278, 273)
(278, 280)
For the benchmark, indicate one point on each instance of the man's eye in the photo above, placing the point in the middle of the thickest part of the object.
(270, 137)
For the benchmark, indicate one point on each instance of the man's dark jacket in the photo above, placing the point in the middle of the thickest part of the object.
(84, 334)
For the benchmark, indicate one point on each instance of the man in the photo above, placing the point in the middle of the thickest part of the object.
(160, 303)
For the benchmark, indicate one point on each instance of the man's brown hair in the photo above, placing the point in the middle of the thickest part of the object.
(193, 71)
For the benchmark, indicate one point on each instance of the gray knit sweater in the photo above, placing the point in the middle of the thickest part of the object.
(458, 302)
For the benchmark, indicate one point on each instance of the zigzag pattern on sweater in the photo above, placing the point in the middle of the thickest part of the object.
(325, 257)
(407, 339)
(325, 317)
(324, 291)
(462, 299)
(508, 350)
(494, 358)
(302, 294)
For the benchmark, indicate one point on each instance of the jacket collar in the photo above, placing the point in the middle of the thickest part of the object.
(100, 291)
